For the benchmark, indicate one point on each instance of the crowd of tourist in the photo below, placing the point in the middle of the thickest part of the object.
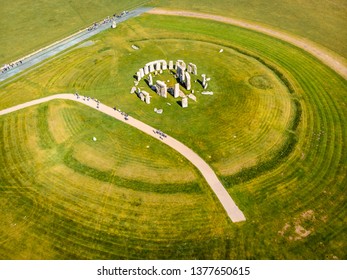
(10, 66)
(106, 20)
(161, 134)
(97, 102)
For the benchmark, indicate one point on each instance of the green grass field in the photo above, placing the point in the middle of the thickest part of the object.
(26, 26)
(320, 21)
(110, 79)
(275, 133)
(107, 207)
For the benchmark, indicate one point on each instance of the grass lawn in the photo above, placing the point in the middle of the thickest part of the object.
(65, 196)
(286, 167)
(320, 21)
(26, 26)
(38, 23)
(105, 71)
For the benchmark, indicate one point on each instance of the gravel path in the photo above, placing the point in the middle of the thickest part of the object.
(229, 205)
(302, 43)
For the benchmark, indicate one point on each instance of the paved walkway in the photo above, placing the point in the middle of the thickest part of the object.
(305, 44)
(229, 205)
(51, 50)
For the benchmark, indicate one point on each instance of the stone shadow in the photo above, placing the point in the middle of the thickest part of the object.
(179, 102)
(200, 82)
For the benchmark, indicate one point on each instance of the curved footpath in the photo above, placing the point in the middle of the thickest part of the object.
(229, 205)
(302, 43)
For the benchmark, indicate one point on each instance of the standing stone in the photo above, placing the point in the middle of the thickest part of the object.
(164, 65)
(142, 96)
(147, 97)
(142, 73)
(203, 80)
(146, 70)
(177, 90)
(194, 69)
(181, 63)
(150, 80)
(184, 102)
(161, 89)
(192, 96)
(180, 69)
(158, 66)
(151, 68)
(138, 76)
(188, 84)
(189, 68)
(181, 75)
(171, 65)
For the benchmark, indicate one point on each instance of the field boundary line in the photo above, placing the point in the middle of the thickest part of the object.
(303, 43)
(232, 210)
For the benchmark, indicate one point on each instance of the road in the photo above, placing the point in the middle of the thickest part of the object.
(51, 50)
(234, 213)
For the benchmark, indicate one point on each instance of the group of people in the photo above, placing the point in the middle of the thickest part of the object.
(162, 135)
(126, 116)
(97, 24)
(88, 98)
(8, 67)
(106, 20)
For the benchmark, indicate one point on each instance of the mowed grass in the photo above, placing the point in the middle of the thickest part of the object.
(293, 192)
(38, 23)
(321, 21)
(30, 25)
(56, 204)
(105, 70)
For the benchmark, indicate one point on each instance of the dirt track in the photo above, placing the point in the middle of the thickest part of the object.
(229, 205)
(302, 43)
